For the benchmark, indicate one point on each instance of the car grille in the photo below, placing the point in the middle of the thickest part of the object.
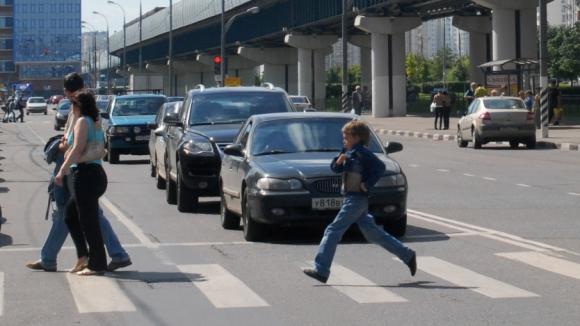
(328, 186)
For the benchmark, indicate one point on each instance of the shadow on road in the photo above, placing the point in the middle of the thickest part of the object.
(208, 207)
(507, 148)
(134, 162)
(423, 285)
(157, 277)
(4, 190)
(5, 240)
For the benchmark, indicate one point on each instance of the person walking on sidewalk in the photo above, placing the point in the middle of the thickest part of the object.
(439, 101)
(357, 100)
(360, 169)
(446, 110)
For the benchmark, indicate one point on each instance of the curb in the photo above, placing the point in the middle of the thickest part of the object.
(566, 147)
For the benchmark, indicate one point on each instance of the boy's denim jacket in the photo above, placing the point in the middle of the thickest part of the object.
(361, 166)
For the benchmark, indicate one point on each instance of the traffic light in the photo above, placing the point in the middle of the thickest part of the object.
(217, 61)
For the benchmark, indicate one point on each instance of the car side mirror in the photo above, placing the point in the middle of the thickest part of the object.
(158, 131)
(105, 115)
(234, 150)
(393, 147)
(172, 119)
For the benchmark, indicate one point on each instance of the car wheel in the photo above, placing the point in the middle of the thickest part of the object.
(460, 142)
(106, 157)
(186, 198)
(476, 139)
(253, 231)
(27, 113)
(170, 188)
(153, 172)
(531, 143)
(229, 220)
(45, 112)
(514, 144)
(57, 128)
(112, 155)
(161, 183)
(397, 228)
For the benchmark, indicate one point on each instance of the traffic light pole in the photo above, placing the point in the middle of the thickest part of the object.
(223, 46)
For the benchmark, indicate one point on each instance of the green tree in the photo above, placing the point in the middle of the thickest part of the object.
(564, 51)
(354, 75)
(416, 69)
(436, 64)
(333, 75)
(459, 71)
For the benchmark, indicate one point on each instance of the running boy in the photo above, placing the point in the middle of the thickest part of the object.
(360, 169)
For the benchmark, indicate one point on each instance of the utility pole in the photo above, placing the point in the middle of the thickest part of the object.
(170, 59)
(223, 45)
(544, 67)
(345, 100)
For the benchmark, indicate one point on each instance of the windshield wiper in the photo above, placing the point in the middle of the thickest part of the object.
(272, 152)
(323, 150)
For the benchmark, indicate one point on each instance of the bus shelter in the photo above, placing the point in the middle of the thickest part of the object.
(511, 75)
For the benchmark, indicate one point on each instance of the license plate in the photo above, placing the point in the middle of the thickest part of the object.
(140, 138)
(322, 204)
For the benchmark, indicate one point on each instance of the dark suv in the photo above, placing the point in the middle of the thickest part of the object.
(196, 136)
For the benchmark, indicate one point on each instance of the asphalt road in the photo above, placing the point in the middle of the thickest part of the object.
(497, 231)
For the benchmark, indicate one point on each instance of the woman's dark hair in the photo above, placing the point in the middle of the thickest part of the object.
(85, 101)
(73, 82)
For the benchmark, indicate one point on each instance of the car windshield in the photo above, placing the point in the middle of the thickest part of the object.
(235, 107)
(102, 105)
(64, 105)
(36, 100)
(503, 103)
(298, 100)
(137, 106)
(302, 135)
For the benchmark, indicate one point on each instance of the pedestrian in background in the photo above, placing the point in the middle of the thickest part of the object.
(357, 100)
(446, 113)
(469, 95)
(366, 99)
(439, 103)
(480, 91)
(89, 182)
(522, 95)
(554, 100)
(529, 100)
(360, 169)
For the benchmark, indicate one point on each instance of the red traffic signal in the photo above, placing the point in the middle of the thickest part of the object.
(217, 59)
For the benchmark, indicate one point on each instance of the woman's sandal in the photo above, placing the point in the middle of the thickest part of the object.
(89, 272)
(81, 264)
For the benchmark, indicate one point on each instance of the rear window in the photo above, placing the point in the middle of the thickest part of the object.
(299, 100)
(235, 107)
(503, 104)
(137, 106)
(36, 100)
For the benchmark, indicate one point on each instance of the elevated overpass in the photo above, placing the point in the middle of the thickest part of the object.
(290, 38)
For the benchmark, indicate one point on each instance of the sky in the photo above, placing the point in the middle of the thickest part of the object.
(114, 13)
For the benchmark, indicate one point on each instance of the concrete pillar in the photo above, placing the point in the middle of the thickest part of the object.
(479, 29)
(388, 62)
(529, 37)
(312, 50)
(279, 65)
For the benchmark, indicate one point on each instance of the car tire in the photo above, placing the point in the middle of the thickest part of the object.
(186, 198)
(514, 144)
(112, 155)
(460, 142)
(531, 143)
(476, 140)
(253, 231)
(397, 228)
(27, 113)
(57, 128)
(153, 172)
(161, 183)
(170, 188)
(229, 220)
(45, 112)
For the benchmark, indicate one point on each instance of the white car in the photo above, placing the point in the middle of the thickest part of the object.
(301, 103)
(36, 105)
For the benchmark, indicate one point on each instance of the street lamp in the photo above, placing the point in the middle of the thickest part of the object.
(225, 27)
(124, 34)
(108, 52)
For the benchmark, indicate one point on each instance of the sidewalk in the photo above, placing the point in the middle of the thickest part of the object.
(566, 136)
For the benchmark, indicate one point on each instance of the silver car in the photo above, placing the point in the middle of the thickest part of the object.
(497, 119)
(301, 103)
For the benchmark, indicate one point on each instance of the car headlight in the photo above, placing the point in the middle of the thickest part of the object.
(59, 116)
(119, 130)
(196, 147)
(395, 180)
(279, 184)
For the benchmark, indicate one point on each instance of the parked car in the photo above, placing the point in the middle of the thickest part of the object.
(62, 112)
(102, 102)
(36, 105)
(301, 103)
(497, 119)
(126, 124)
(209, 121)
(54, 99)
(158, 141)
(174, 98)
(278, 172)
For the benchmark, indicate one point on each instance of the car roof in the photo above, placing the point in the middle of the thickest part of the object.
(501, 98)
(138, 96)
(302, 115)
(241, 89)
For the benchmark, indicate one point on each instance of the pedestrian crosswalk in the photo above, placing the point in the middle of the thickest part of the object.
(223, 287)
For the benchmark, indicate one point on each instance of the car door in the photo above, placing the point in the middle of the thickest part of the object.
(174, 135)
(231, 175)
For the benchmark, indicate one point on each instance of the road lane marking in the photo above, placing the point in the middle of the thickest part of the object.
(359, 288)
(471, 280)
(489, 179)
(129, 224)
(545, 262)
(221, 288)
(573, 194)
(442, 170)
(469, 175)
(414, 165)
(98, 294)
(488, 233)
(523, 185)
(1, 293)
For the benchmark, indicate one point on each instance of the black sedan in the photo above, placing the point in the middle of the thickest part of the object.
(278, 172)
(61, 116)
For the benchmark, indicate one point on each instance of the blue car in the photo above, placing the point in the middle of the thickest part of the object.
(127, 124)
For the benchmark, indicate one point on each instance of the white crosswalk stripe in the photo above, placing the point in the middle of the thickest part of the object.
(223, 289)
(98, 294)
(545, 262)
(464, 277)
(1, 293)
(358, 288)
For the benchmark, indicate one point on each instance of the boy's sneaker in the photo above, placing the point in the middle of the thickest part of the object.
(314, 274)
(38, 266)
(412, 264)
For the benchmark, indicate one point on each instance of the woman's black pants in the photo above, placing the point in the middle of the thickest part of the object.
(89, 182)
(438, 117)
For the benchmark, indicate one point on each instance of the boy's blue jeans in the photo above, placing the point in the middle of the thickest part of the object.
(59, 232)
(355, 210)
